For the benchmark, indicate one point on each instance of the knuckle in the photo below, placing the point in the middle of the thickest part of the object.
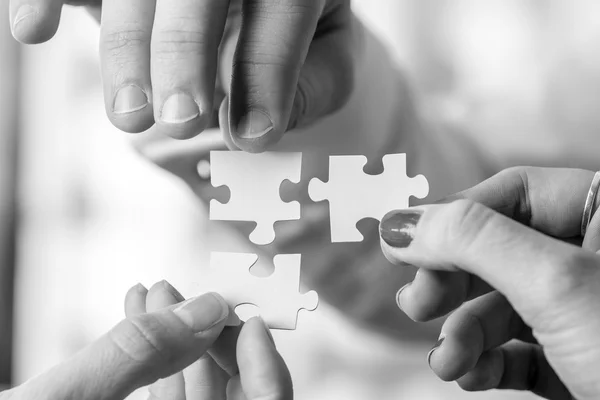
(517, 180)
(140, 339)
(464, 221)
(120, 43)
(183, 42)
(569, 274)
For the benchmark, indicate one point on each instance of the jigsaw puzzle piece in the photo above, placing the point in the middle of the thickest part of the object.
(354, 195)
(277, 296)
(254, 181)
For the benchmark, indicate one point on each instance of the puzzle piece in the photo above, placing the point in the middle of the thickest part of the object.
(254, 181)
(277, 295)
(354, 195)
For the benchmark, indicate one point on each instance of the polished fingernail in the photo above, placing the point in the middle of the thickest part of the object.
(254, 125)
(397, 228)
(178, 109)
(174, 292)
(129, 99)
(433, 349)
(24, 13)
(203, 312)
(398, 294)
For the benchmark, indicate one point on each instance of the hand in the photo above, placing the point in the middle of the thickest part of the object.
(292, 63)
(526, 300)
(150, 346)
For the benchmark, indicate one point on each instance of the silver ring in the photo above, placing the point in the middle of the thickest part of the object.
(590, 201)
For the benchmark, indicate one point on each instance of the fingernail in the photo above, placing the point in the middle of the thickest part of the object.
(174, 292)
(25, 12)
(203, 312)
(398, 294)
(129, 99)
(397, 228)
(253, 125)
(141, 288)
(434, 348)
(268, 330)
(178, 109)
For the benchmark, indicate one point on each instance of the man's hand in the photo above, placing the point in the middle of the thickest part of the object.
(146, 347)
(285, 63)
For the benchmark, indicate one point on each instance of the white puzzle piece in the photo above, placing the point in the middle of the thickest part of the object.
(254, 181)
(354, 195)
(277, 296)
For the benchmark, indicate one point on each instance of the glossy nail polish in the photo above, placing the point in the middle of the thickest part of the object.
(397, 228)
(129, 99)
(254, 125)
(434, 348)
(179, 109)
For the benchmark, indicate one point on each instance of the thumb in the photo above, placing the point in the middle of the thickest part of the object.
(262, 371)
(136, 352)
(531, 269)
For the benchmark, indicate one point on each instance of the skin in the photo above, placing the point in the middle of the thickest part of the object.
(524, 298)
(268, 66)
(156, 346)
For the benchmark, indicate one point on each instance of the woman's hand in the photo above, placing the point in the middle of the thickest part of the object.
(291, 65)
(159, 344)
(526, 301)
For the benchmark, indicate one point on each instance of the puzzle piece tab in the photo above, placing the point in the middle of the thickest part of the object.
(277, 296)
(354, 195)
(254, 181)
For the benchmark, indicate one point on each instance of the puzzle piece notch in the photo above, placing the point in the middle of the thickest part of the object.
(277, 296)
(254, 181)
(354, 195)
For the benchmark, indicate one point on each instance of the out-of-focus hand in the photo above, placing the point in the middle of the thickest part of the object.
(526, 300)
(149, 346)
(286, 63)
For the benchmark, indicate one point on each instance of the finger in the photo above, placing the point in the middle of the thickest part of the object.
(205, 380)
(224, 350)
(185, 43)
(135, 300)
(433, 294)
(137, 352)
(235, 390)
(476, 327)
(550, 200)
(224, 125)
(591, 241)
(162, 295)
(263, 373)
(327, 76)
(273, 45)
(125, 36)
(539, 197)
(34, 21)
(515, 366)
(532, 270)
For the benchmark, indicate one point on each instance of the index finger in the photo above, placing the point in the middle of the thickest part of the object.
(550, 200)
(273, 44)
(531, 269)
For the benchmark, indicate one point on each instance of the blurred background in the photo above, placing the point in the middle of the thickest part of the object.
(83, 217)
